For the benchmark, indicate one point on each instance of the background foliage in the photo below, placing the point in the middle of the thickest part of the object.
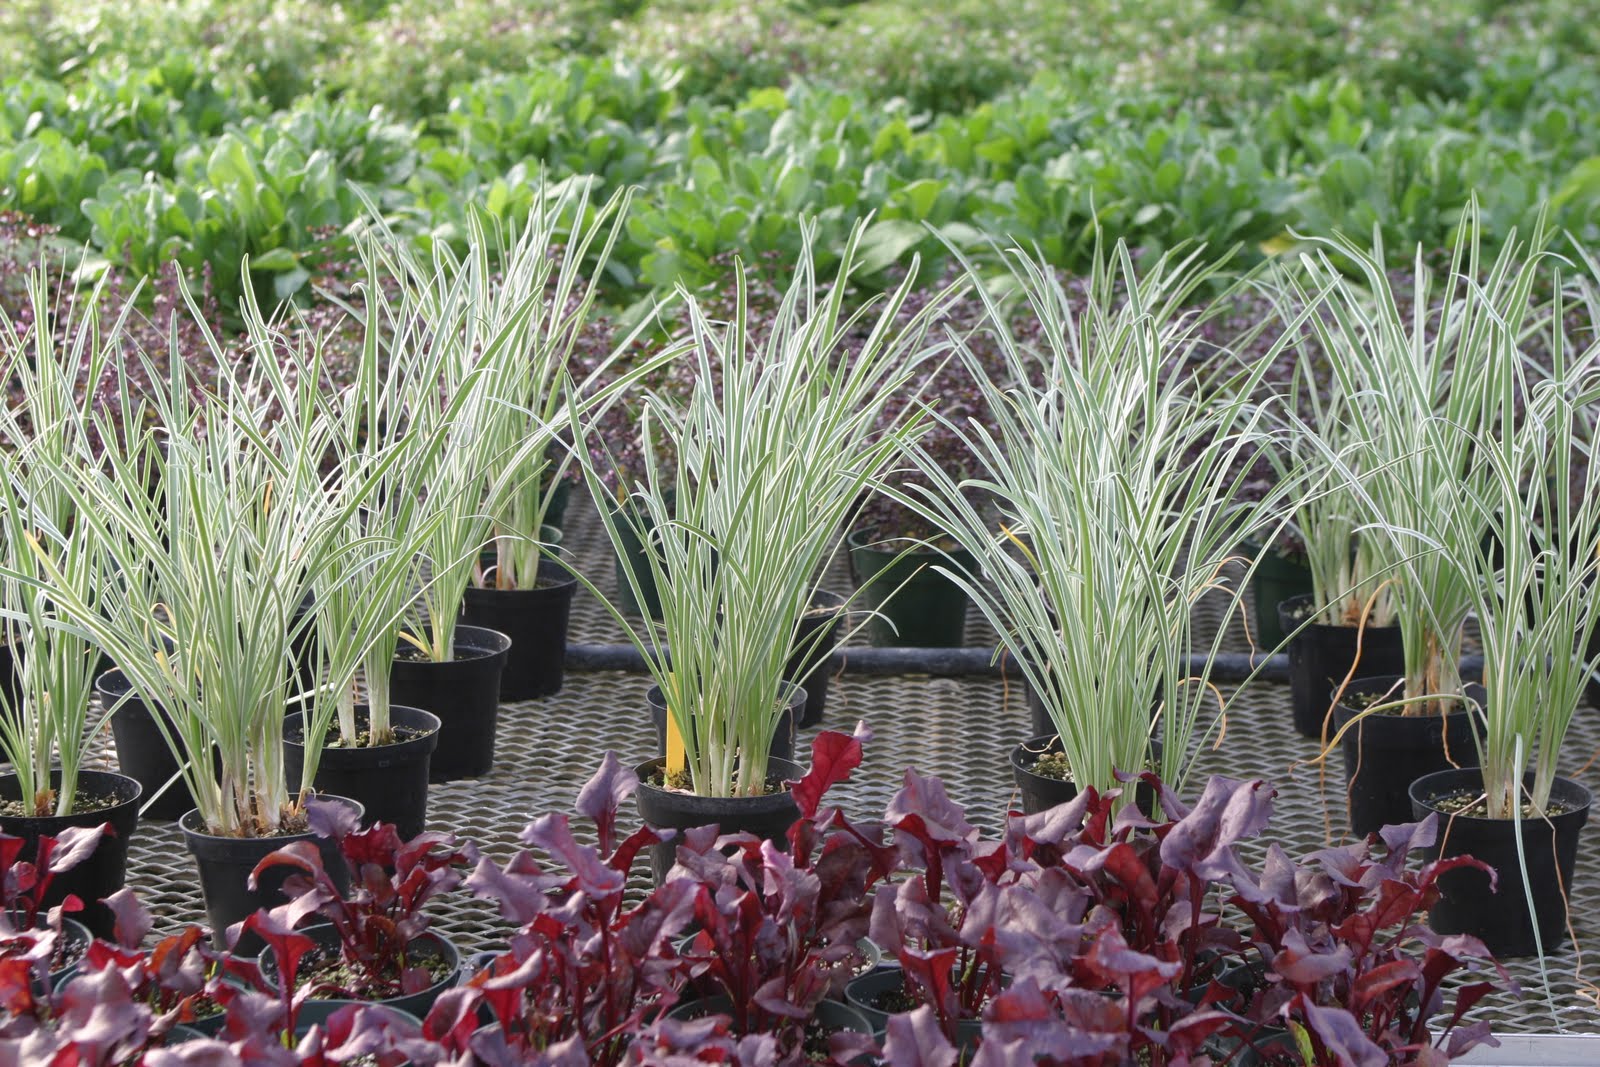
(196, 131)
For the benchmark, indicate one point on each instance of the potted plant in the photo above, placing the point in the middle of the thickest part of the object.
(373, 751)
(38, 939)
(45, 726)
(1117, 480)
(774, 444)
(375, 945)
(1342, 626)
(527, 591)
(1536, 612)
(1427, 392)
(454, 336)
(202, 617)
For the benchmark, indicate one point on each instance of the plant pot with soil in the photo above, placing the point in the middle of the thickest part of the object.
(1323, 657)
(1281, 573)
(535, 618)
(1066, 572)
(1537, 615)
(103, 799)
(1386, 749)
(1044, 777)
(773, 446)
(33, 920)
(144, 752)
(463, 691)
(792, 698)
(814, 643)
(389, 781)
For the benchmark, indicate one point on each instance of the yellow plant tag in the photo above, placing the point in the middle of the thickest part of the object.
(677, 759)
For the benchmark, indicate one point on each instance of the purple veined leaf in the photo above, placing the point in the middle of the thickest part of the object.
(833, 756)
(99, 1012)
(554, 835)
(70, 847)
(522, 897)
(1057, 826)
(300, 855)
(916, 1040)
(1227, 812)
(287, 946)
(1341, 1034)
(131, 921)
(603, 794)
(924, 809)
(1402, 838)
(331, 818)
(1464, 1039)
(1299, 964)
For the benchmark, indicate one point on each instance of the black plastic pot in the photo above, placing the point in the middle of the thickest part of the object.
(631, 557)
(808, 665)
(536, 621)
(464, 693)
(831, 1015)
(1502, 920)
(103, 872)
(142, 752)
(1041, 793)
(225, 864)
(782, 741)
(1321, 657)
(431, 945)
(1384, 754)
(389, 781)
(555, 512)
(768, 817)
(1277, 578)
(76, 935)
(915, 605)
(862, 993)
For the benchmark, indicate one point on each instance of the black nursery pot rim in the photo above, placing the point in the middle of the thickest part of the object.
(327, 938)
(865, 539)
(198, 835)
(1428, 789)
(1373, 685)
(113, 783)
(1288, 612)
(406, 750)
(1025, 755)
(694, 804)
(479, 642)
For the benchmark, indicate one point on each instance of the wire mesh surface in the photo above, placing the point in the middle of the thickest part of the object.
(961, 729)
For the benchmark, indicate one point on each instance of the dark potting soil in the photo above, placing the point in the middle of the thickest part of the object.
(895, 1001)
(814, 1045)
(1054, 765)
(69, 950)
(325, 970)
(411, 654)
(1471, 804)
(83, 804)
(683, 782)
(333, 739)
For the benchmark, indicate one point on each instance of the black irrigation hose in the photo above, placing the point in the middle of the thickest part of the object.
(949, 662)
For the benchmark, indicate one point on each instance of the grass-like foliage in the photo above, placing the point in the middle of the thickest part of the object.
(1535, 589)
(1428, 390)
(775, 443)
(45, 443)
(1117, 479)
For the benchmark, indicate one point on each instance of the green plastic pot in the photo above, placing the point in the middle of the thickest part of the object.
(1277, 578)
(914, 605)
